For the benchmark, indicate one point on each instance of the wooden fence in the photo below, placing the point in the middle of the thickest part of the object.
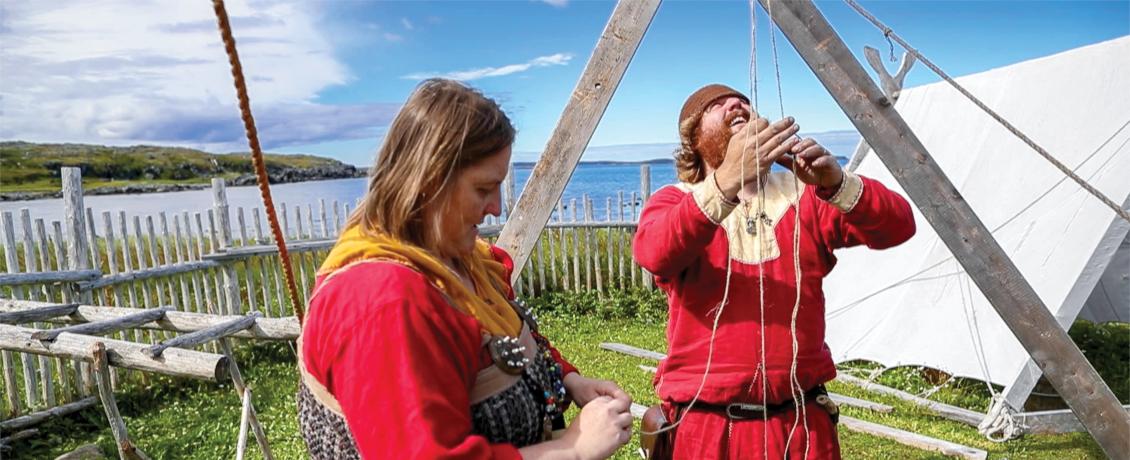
(223, 261)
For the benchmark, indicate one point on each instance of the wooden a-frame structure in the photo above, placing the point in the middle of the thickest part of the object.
(897, 146)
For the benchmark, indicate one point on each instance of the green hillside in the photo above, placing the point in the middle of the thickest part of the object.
(28, 167)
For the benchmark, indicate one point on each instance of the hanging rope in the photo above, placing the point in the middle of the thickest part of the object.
(800, 407)
(257, 153)
(1044, 153)
(762, 370)
(729, 271)
(999, 424)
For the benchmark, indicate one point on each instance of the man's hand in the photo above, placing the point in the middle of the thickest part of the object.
(814, 165)
(584, 389)
(759, 144)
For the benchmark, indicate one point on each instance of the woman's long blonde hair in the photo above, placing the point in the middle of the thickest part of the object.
(443, 127)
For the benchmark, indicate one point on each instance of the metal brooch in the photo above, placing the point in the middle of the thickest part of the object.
(507, 354)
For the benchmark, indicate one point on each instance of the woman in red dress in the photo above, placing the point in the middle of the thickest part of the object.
(413, 346)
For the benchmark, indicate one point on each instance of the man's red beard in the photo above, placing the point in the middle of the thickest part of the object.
(712, 144)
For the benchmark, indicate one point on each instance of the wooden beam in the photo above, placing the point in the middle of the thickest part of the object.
(946, 411)
(245, 393)
(156, 272)
(36, 418)
(860, 403)
(838, 398)
(38, 314)
(262, 250)
(177, 321)
(85, 452)
(955, 222)
(175, 362)
(912, 439)
(105, 326)
(614, 50)
(633, 351)
(1051, 421)
(126, 449)
(5, 443)
(48, 277)
(204, 335)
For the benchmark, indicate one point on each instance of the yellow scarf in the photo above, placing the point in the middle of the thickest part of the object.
(489, 305)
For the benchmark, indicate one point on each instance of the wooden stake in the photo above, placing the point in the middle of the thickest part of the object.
(617, 44)
(126, 449)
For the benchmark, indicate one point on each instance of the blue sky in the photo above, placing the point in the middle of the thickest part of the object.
(326, 77)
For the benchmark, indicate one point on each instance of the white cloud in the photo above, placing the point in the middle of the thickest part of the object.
(484, 72)
(389, 36)
(557, 3)
(406, 23)
(121, 72)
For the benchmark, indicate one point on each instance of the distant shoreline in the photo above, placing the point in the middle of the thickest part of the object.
(142, 188)
(296, 176)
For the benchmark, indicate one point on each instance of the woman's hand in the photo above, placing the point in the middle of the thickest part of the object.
(583, 389)
(604, 424)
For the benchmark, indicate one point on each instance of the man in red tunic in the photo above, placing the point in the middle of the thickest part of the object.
(746, 344)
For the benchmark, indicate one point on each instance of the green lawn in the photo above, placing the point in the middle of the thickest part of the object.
(186, 419)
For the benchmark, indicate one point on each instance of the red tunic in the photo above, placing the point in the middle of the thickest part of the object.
(683, 236)
(401, 362)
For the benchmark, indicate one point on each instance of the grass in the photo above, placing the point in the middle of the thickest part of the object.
(187, 419)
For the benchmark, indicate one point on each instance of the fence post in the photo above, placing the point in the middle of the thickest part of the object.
(78, 246)
(645, 193)
(223, 224)
(645, 182)
(510, 198)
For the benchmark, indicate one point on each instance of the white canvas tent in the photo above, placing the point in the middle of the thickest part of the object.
(914, 305)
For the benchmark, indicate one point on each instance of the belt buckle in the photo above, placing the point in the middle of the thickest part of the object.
(742, 407)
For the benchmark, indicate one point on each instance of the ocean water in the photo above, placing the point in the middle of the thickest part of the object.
(599, 181)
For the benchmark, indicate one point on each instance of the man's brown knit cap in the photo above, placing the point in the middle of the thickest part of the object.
(701, 99)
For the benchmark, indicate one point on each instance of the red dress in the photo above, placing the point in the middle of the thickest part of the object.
(401, 362)
(683, 237)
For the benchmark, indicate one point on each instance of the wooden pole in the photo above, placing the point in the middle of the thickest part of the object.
(510, 198)
(204, 335)
(955, 223)
(77, 246)
(67, 294)
(175, 321)
(645, 194)
(166, 241)
(645, 182)
(241, 388)
(555, 242)
(617, 44)
(12, 262)
(175, 362)
(244, 415)
(126, 449)
(576, 249)
(915, 440)
(620, 239)
(74, 210)
(608, 245)
(223, 222)
(36, 418)
(38, 314)
(104, 326)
